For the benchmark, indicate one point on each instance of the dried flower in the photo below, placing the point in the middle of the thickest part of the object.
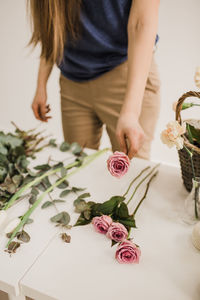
(172, 135)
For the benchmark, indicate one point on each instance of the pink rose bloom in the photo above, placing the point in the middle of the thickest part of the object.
(117, 232)
(128, 253)
(118, 164)
(101, 224)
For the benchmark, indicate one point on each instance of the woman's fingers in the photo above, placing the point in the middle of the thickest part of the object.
(122, 142)
(35, 110)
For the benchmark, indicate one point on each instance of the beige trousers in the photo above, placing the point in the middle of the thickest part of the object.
(86, 106)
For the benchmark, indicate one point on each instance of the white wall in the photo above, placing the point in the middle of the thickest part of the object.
(178, 55)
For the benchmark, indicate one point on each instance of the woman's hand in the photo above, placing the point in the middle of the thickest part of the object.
(39, 106)
(130, 134)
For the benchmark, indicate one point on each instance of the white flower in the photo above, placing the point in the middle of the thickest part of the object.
(197, 77)
(3, 217)
(172, 135)
(11, 225)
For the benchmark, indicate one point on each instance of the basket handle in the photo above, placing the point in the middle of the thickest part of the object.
(180, 102)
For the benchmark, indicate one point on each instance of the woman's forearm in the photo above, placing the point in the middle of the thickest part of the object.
(141, 40)
(43, 74)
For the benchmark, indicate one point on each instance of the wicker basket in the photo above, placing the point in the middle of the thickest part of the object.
(184, 158)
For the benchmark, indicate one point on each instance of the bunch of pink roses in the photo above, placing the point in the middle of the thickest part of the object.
(127, 251)
(112, 217)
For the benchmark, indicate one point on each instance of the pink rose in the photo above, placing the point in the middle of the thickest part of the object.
(118, 164)
(117, 232)
(101, 224)
(128, 253)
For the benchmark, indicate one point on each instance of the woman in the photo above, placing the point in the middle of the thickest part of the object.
(104, 49)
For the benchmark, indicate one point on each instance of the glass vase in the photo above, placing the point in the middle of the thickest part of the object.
(192, 203)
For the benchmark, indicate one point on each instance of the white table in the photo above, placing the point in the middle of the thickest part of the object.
(12, 269)
(86, 269)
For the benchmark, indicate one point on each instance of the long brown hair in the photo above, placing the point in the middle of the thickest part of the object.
(53, 22)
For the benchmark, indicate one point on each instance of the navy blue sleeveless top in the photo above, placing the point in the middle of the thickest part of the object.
(103, 41)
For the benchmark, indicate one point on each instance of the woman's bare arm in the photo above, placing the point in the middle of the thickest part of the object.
(39, 106)
(142, 29)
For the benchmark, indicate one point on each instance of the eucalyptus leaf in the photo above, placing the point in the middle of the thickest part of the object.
(58, 201)
(23, 236)
(46, 204)
(63, 185)
(52, 143)
(29, 221)
(61, 218)
(32, 199)
(17, 179)
(85, 195)
(65, 193)
(77, 189)
(63, 172)
(64, 147)
(75, 148)
(13, 246)
(82, 221)
(44, 167)
(58, 165)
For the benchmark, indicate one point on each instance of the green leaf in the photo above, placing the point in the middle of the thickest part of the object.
(64, 147)
(34, 191)
(3, 173)
(80, 205)
(129, 222)
(64, 193)
(44, 167)
(46, 204)
(77, 189)
(76, 148)
(122, 211)
(29, 221)
(32, 199)
(108, 207)
(63, 172)
(193, 134)
(3, 150)
(40, 186)
(82, 221)
(61, 218)
(17, 179)
(23, 236)
(113, 243)
(52, 143)
(63, 185)
(46, 182)
(85, 195)
(58, 165)
(58, 201)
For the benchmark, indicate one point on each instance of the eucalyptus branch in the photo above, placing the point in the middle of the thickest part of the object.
(88, 160)
(135, 190)
(145, 193)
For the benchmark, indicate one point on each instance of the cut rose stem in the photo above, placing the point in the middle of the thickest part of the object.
(88, 160)
(144, 196)
(134, 179)
(136, 188)
(145, 193)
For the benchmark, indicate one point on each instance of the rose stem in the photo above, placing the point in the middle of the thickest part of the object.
(145, 193)
(134, 179)
(38, 179)
(38, 201)
(135, 190)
